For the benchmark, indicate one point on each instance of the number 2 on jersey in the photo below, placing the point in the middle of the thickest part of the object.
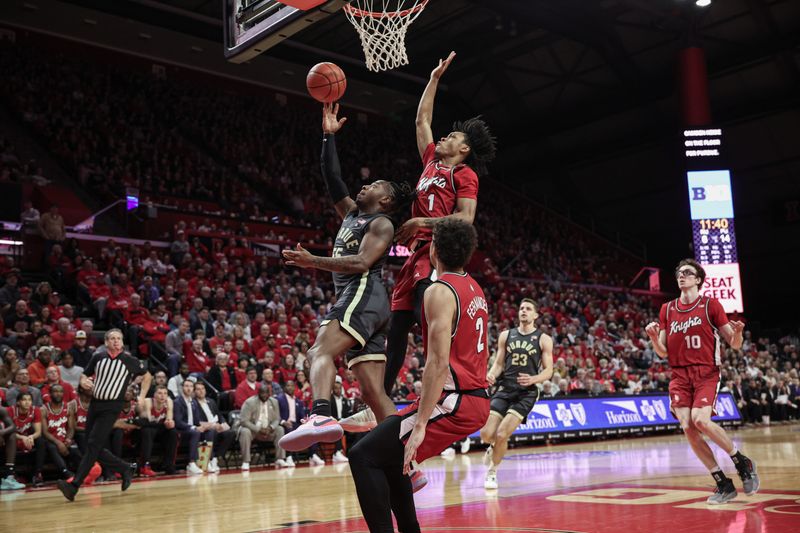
(479, 329)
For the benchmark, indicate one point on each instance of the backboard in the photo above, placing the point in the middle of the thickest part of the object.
(254, 26)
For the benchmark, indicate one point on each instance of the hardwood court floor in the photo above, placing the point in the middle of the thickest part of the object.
(648, 484)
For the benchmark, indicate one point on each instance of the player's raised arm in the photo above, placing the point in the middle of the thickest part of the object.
(499, 359)
(425, 109)
(331, 169)
(377, 239)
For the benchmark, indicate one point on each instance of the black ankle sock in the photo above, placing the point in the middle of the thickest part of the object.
(321, 408)
(720, 478)
(9, 469)
(739, 460)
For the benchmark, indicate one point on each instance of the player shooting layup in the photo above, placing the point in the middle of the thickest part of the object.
(687, 333)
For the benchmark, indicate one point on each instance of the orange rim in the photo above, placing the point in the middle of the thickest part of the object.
(388, 14)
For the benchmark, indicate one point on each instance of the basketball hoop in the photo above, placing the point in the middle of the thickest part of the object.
(383, 33)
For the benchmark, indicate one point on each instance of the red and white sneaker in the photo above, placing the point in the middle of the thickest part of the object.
(314, 429)
(360, 422)
(146, 471)
(418, 480)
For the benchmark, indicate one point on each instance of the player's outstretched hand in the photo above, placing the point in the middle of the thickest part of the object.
(408, 230)
(413, 442)
(652, 330)
(442, 66)
(330, 121)
(737, 326)
(490, 378)
(299, 257)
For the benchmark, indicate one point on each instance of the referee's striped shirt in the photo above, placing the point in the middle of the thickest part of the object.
(112, 375)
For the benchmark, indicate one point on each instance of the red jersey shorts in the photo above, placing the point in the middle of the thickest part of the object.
(694, 386)
(416, 268)
(456, 416)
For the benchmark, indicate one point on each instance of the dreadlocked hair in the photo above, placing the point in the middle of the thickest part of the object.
(482, 144)
(402, 195)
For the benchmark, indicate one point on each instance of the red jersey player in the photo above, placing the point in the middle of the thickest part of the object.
(447, 187)
(687, 333)
(453, 403)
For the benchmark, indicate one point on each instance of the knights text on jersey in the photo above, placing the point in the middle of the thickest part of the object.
(439, 187)
(469, 352)
(523, 355)
(693, 331)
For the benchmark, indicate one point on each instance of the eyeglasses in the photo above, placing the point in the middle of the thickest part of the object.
(686, 272)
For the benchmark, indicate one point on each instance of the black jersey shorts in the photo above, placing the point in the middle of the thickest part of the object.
(515, 401)
(362, 310)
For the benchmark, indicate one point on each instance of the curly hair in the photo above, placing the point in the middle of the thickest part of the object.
(402, 195)
(455, 240)
(482, 144)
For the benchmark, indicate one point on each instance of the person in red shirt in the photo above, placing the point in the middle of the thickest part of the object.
(59, 422)
(247, 388)
(261, 341)
(30, 443)
(62, 338)
(37, 370)
(54, 378)
(199, 362)
(447, 187)
(687, 334)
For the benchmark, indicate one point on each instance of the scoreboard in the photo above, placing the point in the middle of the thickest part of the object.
(713, 227)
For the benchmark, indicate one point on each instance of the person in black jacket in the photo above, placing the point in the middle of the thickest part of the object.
(223, 379)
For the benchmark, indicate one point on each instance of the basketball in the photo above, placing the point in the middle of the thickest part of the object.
(326, 82)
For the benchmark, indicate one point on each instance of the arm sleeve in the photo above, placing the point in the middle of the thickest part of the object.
(662, 317)
(331, 170)
(716, 313)
(466, 183)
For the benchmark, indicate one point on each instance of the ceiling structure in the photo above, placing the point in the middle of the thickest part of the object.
(582, 96)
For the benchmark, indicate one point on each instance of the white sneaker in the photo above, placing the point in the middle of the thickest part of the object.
(360, 422)
(491, 480)
(245, 467)
(339, 457)
(465, 446)
(280, 463)
(315, 460)
(213, 467)
(449, 452)
(193, 469)
(290, 462)
(487, 457)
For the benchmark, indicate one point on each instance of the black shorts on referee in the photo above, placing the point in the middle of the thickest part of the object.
(516, 401)
(362, 310)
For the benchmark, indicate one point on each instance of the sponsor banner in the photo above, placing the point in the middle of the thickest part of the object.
(609, 414)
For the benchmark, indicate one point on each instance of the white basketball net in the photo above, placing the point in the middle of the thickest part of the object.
(383, 33)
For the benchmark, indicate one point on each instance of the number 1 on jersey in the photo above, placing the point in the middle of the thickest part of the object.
(430, 202)
(479, 329)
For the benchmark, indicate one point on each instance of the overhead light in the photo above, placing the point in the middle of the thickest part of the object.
(703, 3)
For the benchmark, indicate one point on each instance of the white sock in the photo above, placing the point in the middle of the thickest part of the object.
(716, 469)
(734, 451)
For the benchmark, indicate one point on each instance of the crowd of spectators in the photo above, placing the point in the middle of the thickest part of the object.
(222, 326)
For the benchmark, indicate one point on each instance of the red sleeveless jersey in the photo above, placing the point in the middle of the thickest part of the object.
(158, 416)
(129, 413)
(57, 421)
(439, 187)
(24, 423)
(81, 413)
(469, 351)
(692, 331)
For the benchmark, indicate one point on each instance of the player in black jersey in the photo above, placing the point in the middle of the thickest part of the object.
(524, 359)
(356, 324)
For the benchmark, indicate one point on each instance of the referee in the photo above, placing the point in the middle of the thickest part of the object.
(108, 375)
